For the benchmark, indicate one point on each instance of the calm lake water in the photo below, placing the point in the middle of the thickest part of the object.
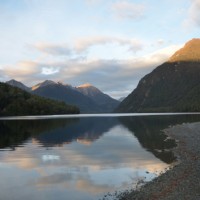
(82, 158)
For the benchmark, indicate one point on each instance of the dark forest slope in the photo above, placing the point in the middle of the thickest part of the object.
(172, 87)
(15, 102)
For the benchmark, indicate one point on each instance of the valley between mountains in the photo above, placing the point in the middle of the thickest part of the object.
(173, 86)
(87, 98)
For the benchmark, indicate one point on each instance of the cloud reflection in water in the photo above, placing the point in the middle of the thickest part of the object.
(80, 159)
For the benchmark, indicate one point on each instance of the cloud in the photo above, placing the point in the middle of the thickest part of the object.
(160, 42)
(123, 75)
(85, 43)
(22, 69)
(92, 2)
(193, 14)
(115, 77)
(82, 45)
(30, 71)
(54, 179)
(49, 70)
(126, 9)
(53, 49)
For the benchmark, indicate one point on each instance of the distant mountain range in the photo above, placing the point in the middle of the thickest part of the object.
(87, 97)
(172, 87)
(104, 102)
(121, 99)
(18, 84)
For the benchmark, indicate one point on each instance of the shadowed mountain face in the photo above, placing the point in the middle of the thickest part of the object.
(15, 102)
(172, 87)
(63, 93)
(19, 85)
(121, 99)
(87, 97)
(105, 102)
(43, 84)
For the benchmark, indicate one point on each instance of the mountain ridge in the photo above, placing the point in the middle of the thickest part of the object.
(15, 101)
(100, 98)
(18, 84)
(190, 52)
(68, 95)
(171, 87)
(87, 97)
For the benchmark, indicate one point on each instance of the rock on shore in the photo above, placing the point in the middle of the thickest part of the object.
(182, 182)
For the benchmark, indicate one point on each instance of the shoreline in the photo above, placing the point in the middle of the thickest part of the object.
(63, 116)
(181, 181)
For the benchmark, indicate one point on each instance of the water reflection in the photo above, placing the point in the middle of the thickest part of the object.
(53, 132)
(84, 130)
(81, 158)
(148, 130)
(14, 133)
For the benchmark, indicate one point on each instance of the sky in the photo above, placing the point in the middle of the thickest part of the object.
(110, 44)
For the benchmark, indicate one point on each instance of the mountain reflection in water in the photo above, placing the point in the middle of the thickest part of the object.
(82, 157)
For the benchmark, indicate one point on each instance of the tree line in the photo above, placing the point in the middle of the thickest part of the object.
(16, 102)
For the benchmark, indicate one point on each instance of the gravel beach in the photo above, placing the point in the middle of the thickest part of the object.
(182, 182)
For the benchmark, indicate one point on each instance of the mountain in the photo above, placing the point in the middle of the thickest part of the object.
(43, 84)
(173, 86)
(189, 53)
(104, 101)
(66, 93)
(87, 97)
(121, 99)
(18, 84)
(15, 102)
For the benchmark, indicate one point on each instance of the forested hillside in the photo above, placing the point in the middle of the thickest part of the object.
(15, 102)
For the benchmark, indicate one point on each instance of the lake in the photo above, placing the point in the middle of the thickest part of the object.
(82, 157)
